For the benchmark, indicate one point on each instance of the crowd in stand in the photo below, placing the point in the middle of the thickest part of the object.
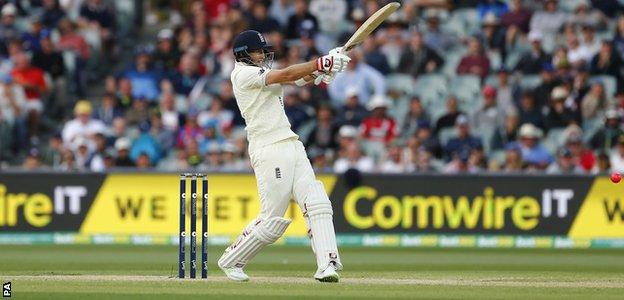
(445, 86)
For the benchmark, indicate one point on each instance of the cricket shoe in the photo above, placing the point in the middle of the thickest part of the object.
(329, 274)
(236, 274)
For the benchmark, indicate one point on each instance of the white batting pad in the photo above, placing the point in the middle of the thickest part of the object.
(319, 213)
(256, 235)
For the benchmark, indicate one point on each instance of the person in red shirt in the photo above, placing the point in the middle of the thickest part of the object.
(379, 127)
(32, 80)
(475, 62)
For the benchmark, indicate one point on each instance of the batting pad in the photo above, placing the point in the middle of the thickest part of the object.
(319, 212)
(256, 235)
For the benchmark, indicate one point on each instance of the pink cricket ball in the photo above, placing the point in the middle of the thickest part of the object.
(616, 177)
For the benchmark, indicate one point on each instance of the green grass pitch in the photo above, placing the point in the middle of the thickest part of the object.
(127, 272)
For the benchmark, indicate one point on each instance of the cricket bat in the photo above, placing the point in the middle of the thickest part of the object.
(366, 29)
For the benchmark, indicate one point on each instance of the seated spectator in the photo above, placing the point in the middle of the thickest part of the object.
(507, 133)
(564, 164)
(68, 163)
(122, 146)
(164, 136)
(12, 113)
(617, 156)
(301, 20)
(533, 153)
(261, 21)
(533, 62)
(108, 110)
(507, 93)
(32, 80)
(215, 116)
(191, 130)
(594, 102)
(71, 40)
(421, 162)
(52, 153)
(168, 111)
(353, 159)
(462, 142)
(393, 162)
(51, 61)
(297, 113)
(490, 115)
(30, 39)
(427, 140)
(492, 35)
(584, 15)
(212, 160)
(589, 41)
(52, 13)
(145, 144)
(475, 62)
(415, 115)
(606, 137)
(352, 112)
(435, 36)
(8, 28)
(82, 153)
(513, 160)
(518, 17)
(32, 162)
(549, 81)
(460, 163)
(606, 62)
(83, 126)
(450, 117)
(325, 133)
(618, 38)
(358, 75)
(97, 160)
(578, 55)
(548, 21)
(210, 138)
(166, 55)
(418, 58)
(559, 116)
(144, 78)
(379, 127)
(583, 158)
(143, 161)
(188, 75)
(138, 113)
(372, 55)
(125, 98)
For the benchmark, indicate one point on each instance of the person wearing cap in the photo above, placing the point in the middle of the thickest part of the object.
(82, 126)
(564, 164)
(532, 151)
(122, 159)
(606, 137)
(490, 115)
(584, 14)
(492, 35)
(436, 36)
(351, 112)
(418, 58)
(559, 115)
(463, 141)
(549, 20)
(379, 127)
(145, 79)
(533, 61)
(617, 155)
(8, 28)
(166, 55)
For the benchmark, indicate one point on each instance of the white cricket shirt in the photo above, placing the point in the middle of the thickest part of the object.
(261, 105)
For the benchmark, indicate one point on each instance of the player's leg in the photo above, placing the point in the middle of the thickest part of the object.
(274, 169)
(311, 196)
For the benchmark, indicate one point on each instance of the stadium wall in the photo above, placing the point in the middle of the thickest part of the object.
(369, 210)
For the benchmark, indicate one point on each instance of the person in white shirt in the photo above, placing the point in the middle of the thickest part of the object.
(359, 75)
(278, 157)
(617, 156)
(83, 126)
(354, 159)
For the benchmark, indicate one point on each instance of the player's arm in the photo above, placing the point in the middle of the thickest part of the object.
(325, 64)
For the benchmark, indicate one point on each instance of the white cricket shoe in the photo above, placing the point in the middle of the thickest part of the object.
(328, 275)
(236, 274)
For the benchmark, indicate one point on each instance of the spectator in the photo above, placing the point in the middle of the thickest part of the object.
(144, 79)
(138, 113)
(379, 127)
(347, 135)
(415, 116)
(513, 160)
(428, 141)
(216, 116)
(494, 7)
(517, 18)
(418, 58)
(492, 35)
(584, 15)
(122, 146)
(8, 28)
(373, 56)
(436, 37)
(475, 62)
(506, 134)
(353, 159)
(297, 113)
(230, 161)
(71, 40)
(324, 134)
(48, 59)
(52, 13)
(533, 153)
(618, 39)
(578, 55)
(68, 163)
(393, 162)
(594, 102)
(168, 111)
(190, 131)
(261, 21)
(533, 62)
(82, 126)
(507, 93)
(210, 138)
(459, 147)
(583, 158)
(125, 98)
(308, 48)
(549, 82)
(12, 113)
(359, 75)
(605, 138)
(608, 63)
(95, 15)
(529, 112)
(145, 144)
(460, 163)
(564, 164)
(97, 160)
(548, 21)
(330, 14)
(617, 156)
(166, 55)
(352, 112)
(604, 165)
(450, 117)
(108, 110)
(490, 115)
(302, 20)
(31, 79)
(82, 153)
(559, 116)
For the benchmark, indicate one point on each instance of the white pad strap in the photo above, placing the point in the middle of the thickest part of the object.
(256, 235)
(319, 213)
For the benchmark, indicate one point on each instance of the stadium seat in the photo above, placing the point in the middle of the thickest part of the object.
(609, 83)
(512, 59)
(446, 134)
(492, 80)
(432, 89)
(496, 61)
(590, 127)
(469, 18)
(452, 59)
(529, 82)
(401, 82)
(569, 5)
(554, 139)
(305, 129)
(467, 89)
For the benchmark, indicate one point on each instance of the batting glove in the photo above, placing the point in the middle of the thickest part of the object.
(332, 63)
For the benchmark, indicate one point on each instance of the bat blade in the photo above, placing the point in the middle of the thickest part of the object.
(370, 24)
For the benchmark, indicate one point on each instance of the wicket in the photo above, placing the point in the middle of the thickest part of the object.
(193, 216)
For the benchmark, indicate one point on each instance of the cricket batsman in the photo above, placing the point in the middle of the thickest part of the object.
(278, 158)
